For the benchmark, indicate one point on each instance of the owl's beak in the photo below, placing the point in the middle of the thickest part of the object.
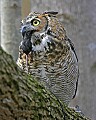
(26, 30)
(23, 30)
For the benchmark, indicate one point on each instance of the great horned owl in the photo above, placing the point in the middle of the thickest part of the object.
(50, 54)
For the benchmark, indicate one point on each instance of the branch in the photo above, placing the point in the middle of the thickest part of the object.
(23, 98)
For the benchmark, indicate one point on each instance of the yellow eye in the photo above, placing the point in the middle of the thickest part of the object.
(36, 22)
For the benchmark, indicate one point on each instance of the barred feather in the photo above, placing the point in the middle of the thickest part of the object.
(52, 60)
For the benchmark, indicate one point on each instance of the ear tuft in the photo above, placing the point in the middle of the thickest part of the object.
(51, 13)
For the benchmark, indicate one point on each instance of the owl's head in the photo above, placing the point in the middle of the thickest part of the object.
(36, 22)
(42, 28)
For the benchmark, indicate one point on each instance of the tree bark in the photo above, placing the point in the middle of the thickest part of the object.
(23, 98)
(10, 25)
